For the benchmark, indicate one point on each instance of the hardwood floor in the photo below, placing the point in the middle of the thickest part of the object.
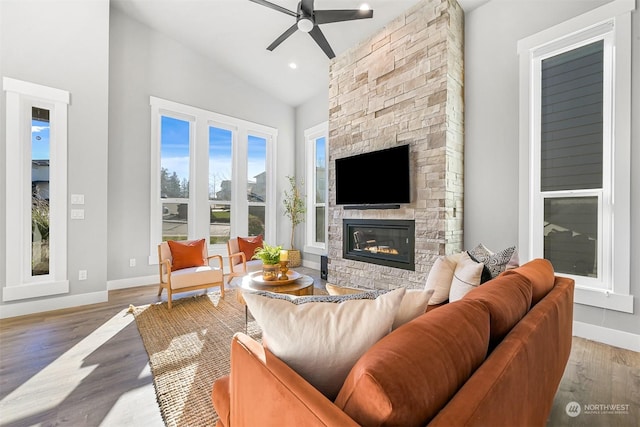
(87, 367)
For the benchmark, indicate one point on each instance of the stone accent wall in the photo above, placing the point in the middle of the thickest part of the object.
(404, 85)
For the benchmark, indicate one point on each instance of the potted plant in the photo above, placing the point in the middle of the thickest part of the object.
(270, 257)
(294, 209)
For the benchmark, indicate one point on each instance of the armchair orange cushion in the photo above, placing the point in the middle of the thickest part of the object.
(248, 245)
(186, 254)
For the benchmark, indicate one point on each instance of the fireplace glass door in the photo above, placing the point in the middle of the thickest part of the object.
(383, 242)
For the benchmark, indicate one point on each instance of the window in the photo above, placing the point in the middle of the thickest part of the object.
(577, 140)
(201, 162)
(316, 146)
(220, 180)
(174, 177)
(257, 184)
(36, 186)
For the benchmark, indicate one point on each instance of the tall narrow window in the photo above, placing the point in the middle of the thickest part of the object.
(257, 184)
(320, 189)
(572, 145)
(174, 178)
(36, 186)
(40, 181)
(316, 146)
(575, 145)
(220, 184)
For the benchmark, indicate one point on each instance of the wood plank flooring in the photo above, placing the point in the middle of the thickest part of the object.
(87, 367)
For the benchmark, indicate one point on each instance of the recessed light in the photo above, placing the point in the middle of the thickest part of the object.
(293, 65)
(364, 7)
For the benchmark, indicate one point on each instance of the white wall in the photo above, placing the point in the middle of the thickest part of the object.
(144, 62)
(65, 45)
(309, 114)
(491, 131)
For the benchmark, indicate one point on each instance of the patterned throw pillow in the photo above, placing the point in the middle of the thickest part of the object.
(496, 262)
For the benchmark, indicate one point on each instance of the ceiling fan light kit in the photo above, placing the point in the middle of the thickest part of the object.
(308, 19)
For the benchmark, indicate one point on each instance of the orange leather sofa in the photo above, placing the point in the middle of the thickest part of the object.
(494, 358)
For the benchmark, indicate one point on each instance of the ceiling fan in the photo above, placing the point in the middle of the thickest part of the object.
(308, 19)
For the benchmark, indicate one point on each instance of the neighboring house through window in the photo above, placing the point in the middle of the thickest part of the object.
(202, 163)
(317, 192)
(576, 146)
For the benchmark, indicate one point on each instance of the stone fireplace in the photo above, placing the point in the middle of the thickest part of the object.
(403, 85)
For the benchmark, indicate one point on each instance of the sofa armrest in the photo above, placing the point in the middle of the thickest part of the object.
(264, 388)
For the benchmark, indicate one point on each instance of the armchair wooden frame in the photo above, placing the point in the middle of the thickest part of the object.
(164, 269)
(239, 269)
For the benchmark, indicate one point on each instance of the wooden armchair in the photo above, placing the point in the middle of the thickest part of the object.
(240, 263)
(185, 266)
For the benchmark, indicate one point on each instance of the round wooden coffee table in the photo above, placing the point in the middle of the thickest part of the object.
(301, 286)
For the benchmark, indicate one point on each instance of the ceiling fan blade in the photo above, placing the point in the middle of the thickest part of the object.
(275, 7)
(328, 16)
(307, 6)
(292, 29)
(317, 35)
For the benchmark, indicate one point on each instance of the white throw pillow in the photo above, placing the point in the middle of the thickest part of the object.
(465, 278)
(414, 303)
(322, 341)
(441, 276)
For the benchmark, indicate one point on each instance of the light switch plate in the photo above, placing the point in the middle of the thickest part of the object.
(77, 213)
(82, 275)
(77, 199)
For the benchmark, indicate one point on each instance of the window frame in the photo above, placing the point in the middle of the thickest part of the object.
(199, 204)
(311, 135)
(612, 23)
(21, 96)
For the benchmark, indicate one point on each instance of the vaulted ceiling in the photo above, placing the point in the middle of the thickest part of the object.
(235, 33)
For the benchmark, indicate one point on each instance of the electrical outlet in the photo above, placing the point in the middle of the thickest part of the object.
(82, 274)
(132, 262)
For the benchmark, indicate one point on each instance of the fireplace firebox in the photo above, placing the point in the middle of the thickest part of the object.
(380, 241)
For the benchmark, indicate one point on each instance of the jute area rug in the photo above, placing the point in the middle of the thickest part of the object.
(189, 348)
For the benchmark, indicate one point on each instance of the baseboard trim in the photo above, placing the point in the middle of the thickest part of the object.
(311, 264)
(132, 282)
(49, 304)
(607, 336)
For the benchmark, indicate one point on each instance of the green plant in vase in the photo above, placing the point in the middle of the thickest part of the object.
(270, 257)
(294, 209)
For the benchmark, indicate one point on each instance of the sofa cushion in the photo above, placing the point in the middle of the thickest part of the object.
(541, 275)
(321, 340)
(186, 254)
(508, 299)
(440, 277)
(414, 303)
(467, 276)
(409, 375)
(185, 277)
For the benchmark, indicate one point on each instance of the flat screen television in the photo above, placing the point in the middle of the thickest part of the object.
(376, 178)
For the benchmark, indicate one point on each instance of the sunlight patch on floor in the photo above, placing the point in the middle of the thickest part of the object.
(53, 384)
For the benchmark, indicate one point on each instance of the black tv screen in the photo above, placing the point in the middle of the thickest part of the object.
(375, 178)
